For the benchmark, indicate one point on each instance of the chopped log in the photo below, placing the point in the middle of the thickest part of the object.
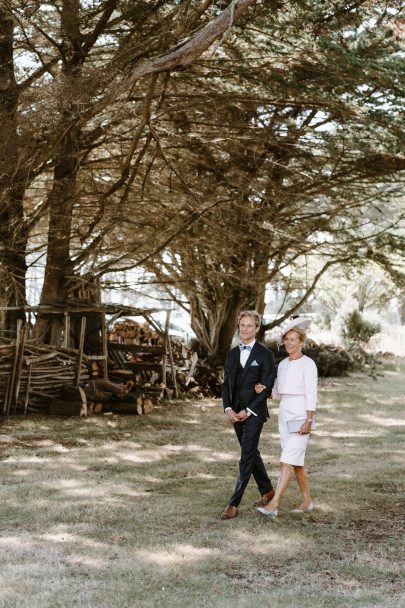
(139, 407)
(66, 408)
(101, 408)
(99, 396)
(121, 373)
(69, 392)
(147, 406)
(95, 369)
(117, 389)
(123, 407)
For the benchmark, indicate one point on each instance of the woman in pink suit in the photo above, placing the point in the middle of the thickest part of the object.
(296, 385)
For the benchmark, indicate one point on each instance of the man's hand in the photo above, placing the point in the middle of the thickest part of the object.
(259, 388)
(242, 415)
(233, 416)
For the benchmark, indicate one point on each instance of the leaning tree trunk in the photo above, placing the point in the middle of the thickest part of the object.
(59, 267)
(13, 237)
(59, 270)
(215, 323)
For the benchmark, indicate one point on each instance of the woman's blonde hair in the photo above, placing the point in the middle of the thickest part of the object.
(301, 332)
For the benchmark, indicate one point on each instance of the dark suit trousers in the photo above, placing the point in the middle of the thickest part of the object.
(250, 463)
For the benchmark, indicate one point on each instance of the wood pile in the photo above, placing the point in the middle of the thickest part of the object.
(144, 356)
(43, 378)
(139, 352)
(73, 402)
(100, 397)
(106, 396)
(128, 331)
(31, 375)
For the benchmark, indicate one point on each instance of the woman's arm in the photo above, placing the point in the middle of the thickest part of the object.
(311, 392)
(311, 385)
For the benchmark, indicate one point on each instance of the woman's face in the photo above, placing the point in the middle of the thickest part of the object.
(292, 342)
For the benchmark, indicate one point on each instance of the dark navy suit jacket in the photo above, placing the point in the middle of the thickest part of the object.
(260, 367)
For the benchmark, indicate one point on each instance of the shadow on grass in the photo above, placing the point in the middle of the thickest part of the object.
(124, 511)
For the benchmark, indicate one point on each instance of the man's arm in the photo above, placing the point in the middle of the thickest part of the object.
(267, 377)
(226, 394)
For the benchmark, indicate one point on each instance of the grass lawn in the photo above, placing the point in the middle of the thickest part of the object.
(123, 512)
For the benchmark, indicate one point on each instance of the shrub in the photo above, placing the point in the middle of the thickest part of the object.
(330, 360)
(356, 330)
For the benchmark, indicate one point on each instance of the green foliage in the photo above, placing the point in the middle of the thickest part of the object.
(357, 330)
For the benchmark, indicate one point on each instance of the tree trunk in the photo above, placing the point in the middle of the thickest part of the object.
(215, 323)
(59, 270)
(13, 237)
(401, 308)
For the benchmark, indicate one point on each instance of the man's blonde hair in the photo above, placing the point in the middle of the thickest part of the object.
(251, 313)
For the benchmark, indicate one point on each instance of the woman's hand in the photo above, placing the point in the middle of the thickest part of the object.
(305, 428)
(259, 388)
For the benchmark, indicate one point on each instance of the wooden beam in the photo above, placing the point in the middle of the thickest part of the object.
(66, 330)
(10, 392)
(105, 349)
(20, 358)
(80, 353)
(169, 350)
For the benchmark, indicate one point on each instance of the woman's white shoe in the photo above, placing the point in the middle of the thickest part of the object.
(307, 510)
(266, 512)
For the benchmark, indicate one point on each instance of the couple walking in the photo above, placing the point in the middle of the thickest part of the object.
(248, 382)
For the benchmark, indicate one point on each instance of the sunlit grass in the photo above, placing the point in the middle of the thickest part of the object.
(124, 511)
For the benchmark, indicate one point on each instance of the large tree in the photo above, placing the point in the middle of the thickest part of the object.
(77, 62)
(217, 152)
(13, 236)
(292, 143)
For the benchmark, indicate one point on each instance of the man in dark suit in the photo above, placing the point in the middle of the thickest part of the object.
(248, 364)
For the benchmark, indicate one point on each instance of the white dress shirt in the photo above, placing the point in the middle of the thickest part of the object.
(245, 353)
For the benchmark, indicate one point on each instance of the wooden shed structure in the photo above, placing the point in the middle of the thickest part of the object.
(31, 371)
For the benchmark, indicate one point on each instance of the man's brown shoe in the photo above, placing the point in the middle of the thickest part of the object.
(265, 499)
(230, 512)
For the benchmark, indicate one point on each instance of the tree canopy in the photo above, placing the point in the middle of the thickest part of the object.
(221, 146)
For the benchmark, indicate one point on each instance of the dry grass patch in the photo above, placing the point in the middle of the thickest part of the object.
(123, 512)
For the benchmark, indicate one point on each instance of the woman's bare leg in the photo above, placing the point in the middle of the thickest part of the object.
(282, 485)
(302, 479)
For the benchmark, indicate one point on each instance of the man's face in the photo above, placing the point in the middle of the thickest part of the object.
(247, 329)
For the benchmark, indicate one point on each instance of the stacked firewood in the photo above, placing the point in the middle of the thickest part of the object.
(184, 359)
(128, 331)
(119, 398)
(32, 375)
(100, 397)
(145, 358)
